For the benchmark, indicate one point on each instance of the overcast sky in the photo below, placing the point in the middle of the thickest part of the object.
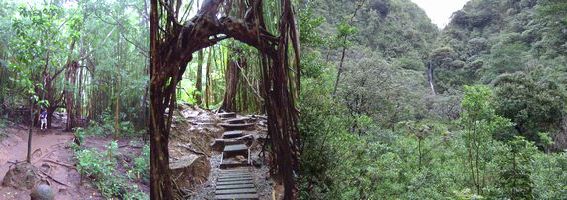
(439, 11)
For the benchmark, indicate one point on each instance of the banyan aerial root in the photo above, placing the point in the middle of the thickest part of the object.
(173, 40)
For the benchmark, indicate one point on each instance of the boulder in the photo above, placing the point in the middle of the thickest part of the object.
(22, 176)
(190, 170)
(42, 192)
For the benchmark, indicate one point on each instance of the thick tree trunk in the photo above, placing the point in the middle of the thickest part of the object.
(70, 77)
(199, 85)
(79, 102)
(160, 182)
(208, 79)
(232, 76)
(69, 93)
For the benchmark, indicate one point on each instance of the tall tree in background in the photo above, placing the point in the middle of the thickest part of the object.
(173, 40)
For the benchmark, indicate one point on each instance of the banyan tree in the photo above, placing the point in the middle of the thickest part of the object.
(177, 32)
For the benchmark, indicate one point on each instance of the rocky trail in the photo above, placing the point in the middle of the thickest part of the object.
(224, 151)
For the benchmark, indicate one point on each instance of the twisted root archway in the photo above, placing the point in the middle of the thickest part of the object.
(173, 41)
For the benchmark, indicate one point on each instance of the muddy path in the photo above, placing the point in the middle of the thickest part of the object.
(51, 154)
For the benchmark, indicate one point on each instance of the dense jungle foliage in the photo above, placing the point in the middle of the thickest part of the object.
(86, 63)
(90, 57)
(475, 110)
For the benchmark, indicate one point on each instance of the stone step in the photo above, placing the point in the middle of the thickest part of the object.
(244, 126)
(237, 191)
(237, 196)
(232, 134)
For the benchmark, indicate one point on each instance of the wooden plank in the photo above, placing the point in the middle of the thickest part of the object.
(226, 187)
(237, 196)
(234, 175)
(226, 115)
(239, 120)
(236, 191)
(234, 179)
(235, 182)
(235, 172)
(232, 134)
(236, 147)
(236, 126)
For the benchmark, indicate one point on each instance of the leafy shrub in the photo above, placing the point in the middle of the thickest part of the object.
(141, 166)
(100, 167)
(93, 165)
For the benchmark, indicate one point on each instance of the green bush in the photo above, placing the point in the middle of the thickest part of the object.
(141, 168)
(100, 167)
(91, 164)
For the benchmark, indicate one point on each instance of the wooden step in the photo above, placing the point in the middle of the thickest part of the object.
(226, 115)
(232, 134)
(238, 186)
(235, 182)
(235, 148)
(236, 191)
(235, 175)
(239, 120)
(235, 179)
(236, 126)
(237, 196)
(226, 165)
(243, 177)
(226, 171)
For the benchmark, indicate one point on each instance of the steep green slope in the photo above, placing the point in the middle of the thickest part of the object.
(384, 44)
(517, 47)
(394, 28)
(489, 38)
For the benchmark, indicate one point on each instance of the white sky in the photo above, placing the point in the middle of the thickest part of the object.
(440, 11)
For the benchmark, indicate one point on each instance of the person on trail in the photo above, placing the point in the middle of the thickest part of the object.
(43, 118)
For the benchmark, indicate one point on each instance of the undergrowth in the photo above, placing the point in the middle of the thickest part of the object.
(100, 167)
(106, 127)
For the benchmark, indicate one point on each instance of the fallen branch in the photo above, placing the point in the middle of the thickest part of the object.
(49, 176)
(127, 145)
(59, 163)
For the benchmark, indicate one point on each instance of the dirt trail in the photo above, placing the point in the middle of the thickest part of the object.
(51, 154)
